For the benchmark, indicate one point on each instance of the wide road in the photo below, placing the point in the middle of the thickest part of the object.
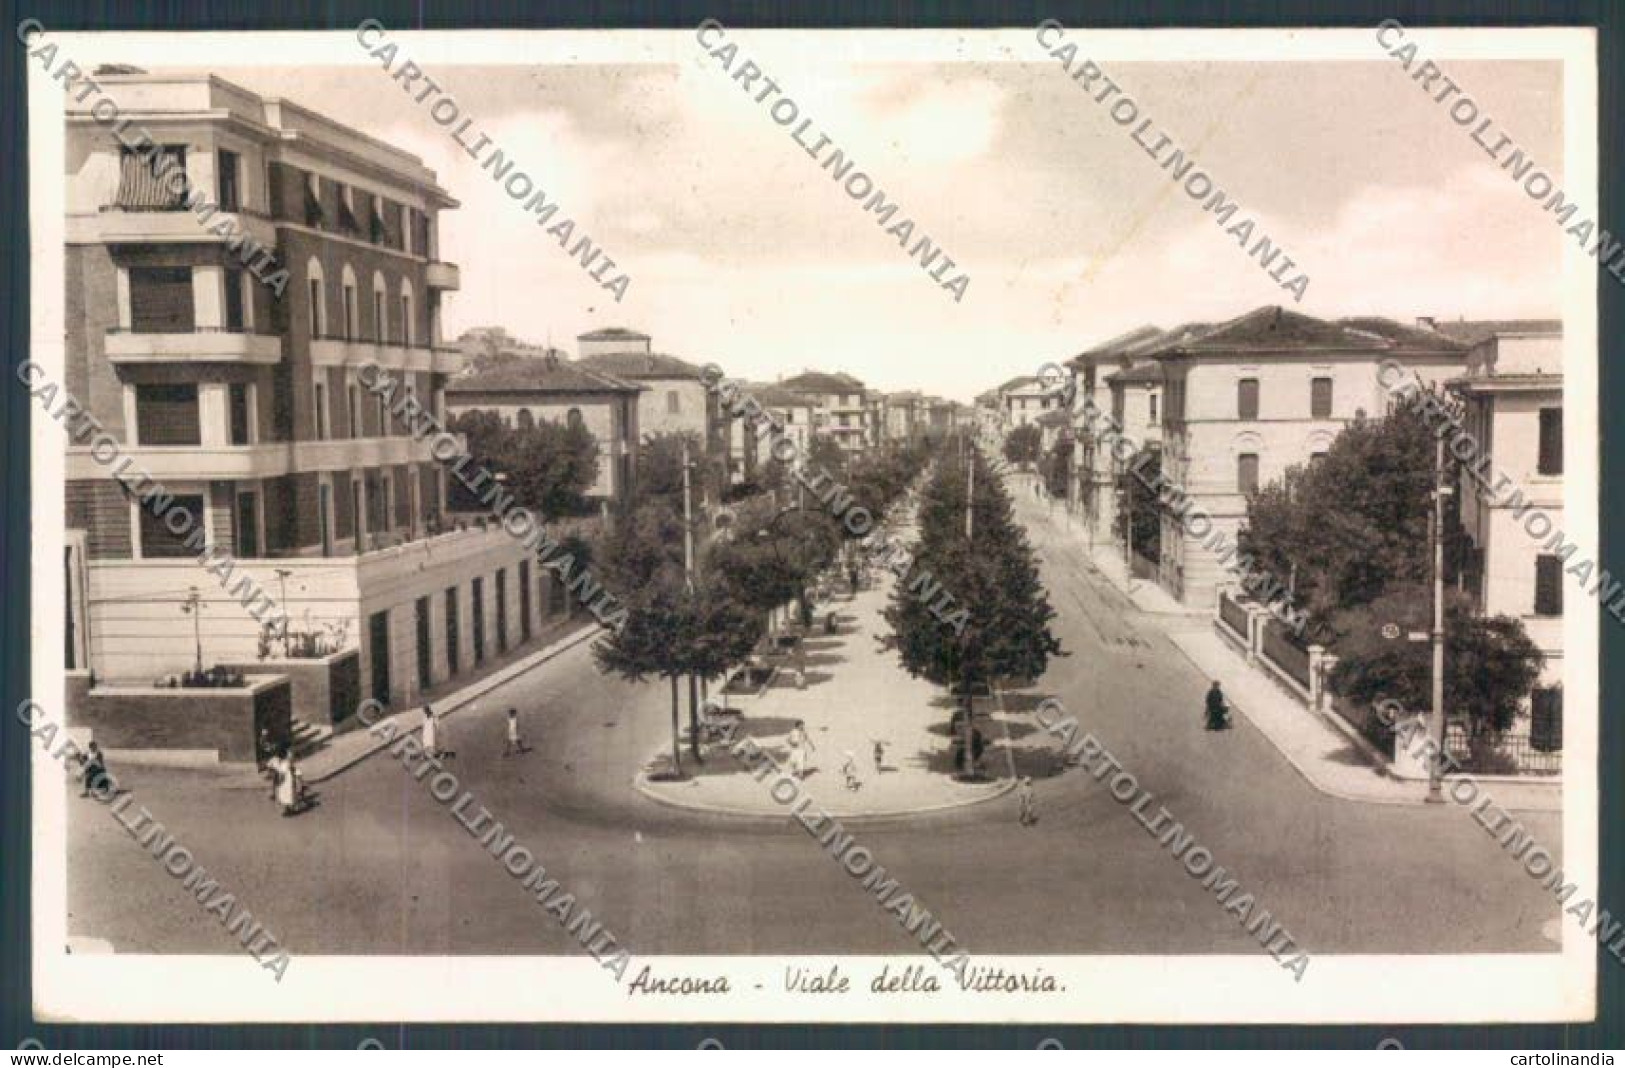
(382, 868)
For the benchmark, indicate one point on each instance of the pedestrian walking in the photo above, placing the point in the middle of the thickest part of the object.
(849, 768)
(880, 755)
(515, 742)
(1029, 803)
(1218, 710)
(435, 735)
(800, 746)
(94, 775)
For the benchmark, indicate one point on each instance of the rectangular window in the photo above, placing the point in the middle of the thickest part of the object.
(1551, 441)
(524, 600)
(230, 199)
(674, 403)
(354, 413)
(1546, 719)
(319, 403)
(1247, 473)
(237, 403)
(316, 307)
(452, 636)
(248, 525)
(406, 320)
(380, 325)
(315, 216)
(382, 414)
(324, 516)
(351, 333)
(425, 651)
(167, 415)
(1320, 398)
(161, 300)
(158, 540)
(1152, 399)
(502, 609)
(1548, 585)
(478, 589)
(347, 219)
(1247, 398)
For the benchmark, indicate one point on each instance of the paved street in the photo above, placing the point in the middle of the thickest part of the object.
(380, 867)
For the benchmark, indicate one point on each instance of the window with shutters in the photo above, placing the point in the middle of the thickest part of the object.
(226, 176)
(1551, 441)
(167, 414)
(236, 320)
(1247, 398)
(1151, 399)
(315, 216)
(1548, 585)
(1247, 473)
(237, 398)
(161, 300)
(1546, 719)
(1320, 398)
(319, 401)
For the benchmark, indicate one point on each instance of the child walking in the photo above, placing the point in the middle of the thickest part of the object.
(1029, 803)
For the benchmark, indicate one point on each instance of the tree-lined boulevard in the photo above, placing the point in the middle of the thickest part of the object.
(378, 868)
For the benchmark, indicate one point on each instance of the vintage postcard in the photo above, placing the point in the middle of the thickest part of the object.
(727, 524)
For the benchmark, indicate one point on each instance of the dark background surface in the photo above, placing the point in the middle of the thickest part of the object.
(17, 1024)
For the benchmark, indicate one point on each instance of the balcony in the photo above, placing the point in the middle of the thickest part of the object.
(439, 275)
(181, 463)
(202, 344)
(114, 225)
(331, 350)
(344, 454)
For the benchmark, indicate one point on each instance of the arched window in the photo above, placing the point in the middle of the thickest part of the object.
(352, 314)
(526, 420)
(318, 299)
(408, 326)
(573, 418)
(380, 308)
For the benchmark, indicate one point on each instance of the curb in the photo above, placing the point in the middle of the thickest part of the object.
(640, 783)
(1341, 795)
(471, 692)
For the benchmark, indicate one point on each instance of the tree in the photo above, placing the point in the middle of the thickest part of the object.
(649, 643)
(1490, 663)
(1022, 445)
(1344, 528)
(1056, 467)
(548, 467)
(1139, 503)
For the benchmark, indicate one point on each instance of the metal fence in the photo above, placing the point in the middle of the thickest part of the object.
(1518, 750)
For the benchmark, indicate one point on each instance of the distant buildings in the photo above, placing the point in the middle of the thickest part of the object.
(527, 390)
(843, 403)
(1023, 399)
(1513, 392)
(675, 398)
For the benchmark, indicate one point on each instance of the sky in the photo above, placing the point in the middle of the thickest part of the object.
(743, 251)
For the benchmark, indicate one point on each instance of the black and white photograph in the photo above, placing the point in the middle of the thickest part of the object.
(896, 526)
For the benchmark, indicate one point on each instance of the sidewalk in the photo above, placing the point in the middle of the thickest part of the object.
(856, 693)
(1107, 558)
(1323, 749)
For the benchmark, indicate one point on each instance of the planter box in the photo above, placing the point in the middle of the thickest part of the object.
(226, 721)
(326, 689)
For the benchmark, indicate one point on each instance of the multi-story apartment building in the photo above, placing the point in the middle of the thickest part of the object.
(1095, 466)
(908, 416)
(1246, 399)
(249, 404)
(1022, 400)
(1513, 394)
(529, 390)
(792, 417)
(674, 400)
(843, 403)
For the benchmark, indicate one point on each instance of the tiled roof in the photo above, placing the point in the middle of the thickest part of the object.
(773, 395)
(1124, 344)
(641, 365)
(1472, 331)
(613, 333)
(1057, 417)
(1019, 382)
(1275, 330)
(541, 376)
(1147, 372)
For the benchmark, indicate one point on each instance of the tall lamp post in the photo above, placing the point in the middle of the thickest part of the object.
(193, 606)
(1436, 724)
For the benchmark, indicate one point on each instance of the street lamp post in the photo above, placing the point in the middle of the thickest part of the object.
(193, 607)
(1437, 724)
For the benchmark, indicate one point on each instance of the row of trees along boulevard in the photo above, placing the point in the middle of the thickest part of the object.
(701, 591)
